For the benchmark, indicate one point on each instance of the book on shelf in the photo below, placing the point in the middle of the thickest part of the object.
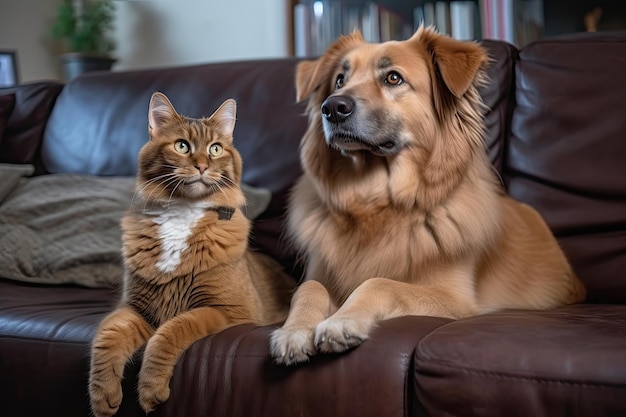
(463, 17)
(317, 24)
(515, 21)
(457, 18)
(301, 36)
(442, 17)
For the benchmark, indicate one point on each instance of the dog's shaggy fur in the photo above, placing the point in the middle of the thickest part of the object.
(399, 211)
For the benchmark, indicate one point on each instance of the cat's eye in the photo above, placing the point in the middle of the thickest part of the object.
(216, 150)
(393, 78)
(182, 146)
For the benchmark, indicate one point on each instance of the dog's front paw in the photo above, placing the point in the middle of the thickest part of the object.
(153, 389)
(291, 346)
(340, 334)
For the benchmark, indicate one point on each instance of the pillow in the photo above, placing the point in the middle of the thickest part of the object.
(65, 228)
(11, 174)
(7, 102)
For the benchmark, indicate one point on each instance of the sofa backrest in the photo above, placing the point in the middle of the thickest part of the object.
(498, 96)
(100, 122)
(555, 132)
(567, 151)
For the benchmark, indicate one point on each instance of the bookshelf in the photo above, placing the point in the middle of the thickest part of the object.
(316, 23)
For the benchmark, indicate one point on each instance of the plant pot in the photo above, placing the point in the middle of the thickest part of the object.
(77, 63)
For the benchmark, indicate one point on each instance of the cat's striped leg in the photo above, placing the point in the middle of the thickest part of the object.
(171, 339)
(120, 334)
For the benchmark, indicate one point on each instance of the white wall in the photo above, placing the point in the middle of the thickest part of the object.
(25, 26)
(154, 33)
(175, 32)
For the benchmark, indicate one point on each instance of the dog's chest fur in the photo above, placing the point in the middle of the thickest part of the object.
(381, 241)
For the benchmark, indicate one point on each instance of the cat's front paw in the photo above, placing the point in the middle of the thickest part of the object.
(340, 334)
(105, 396)
(153, 389)
(291, 346)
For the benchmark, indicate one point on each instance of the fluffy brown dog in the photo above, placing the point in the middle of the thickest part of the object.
(399, 211)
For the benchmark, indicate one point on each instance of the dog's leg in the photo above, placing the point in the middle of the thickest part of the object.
(380, 299)
(293, 342)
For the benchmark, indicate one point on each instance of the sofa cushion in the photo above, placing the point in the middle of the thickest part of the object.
(565, 155)
(563, 362)
(24, 130)
(44, 339)
(65, 228)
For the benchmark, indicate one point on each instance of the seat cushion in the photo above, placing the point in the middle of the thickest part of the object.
(44, 347)
(45, 333)
(566, 362)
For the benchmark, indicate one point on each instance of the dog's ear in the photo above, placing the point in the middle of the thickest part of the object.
(456, 62)
(311, 74)
(304, 79)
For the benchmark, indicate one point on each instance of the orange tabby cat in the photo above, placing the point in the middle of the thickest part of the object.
(188, 272)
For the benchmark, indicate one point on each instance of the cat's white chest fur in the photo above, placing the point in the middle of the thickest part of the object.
(175, 226)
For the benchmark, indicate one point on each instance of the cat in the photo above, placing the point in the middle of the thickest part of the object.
(188, 270)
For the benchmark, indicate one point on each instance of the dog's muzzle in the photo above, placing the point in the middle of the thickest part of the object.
(347, 131)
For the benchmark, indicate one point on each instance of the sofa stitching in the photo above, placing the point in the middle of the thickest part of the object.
(538, 380)
(42, 340)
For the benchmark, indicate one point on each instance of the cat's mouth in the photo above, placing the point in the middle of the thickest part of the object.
(192, 181)
(202, 186)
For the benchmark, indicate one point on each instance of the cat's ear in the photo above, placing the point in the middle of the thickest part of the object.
(161, 112)
(225, 117)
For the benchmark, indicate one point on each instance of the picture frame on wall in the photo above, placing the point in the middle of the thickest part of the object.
(9, 76)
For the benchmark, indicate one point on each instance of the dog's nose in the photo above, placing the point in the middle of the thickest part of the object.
(337, 108)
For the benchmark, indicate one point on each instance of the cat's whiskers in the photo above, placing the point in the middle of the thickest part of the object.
(224, 181)
(177, 179)
(169, 200)
(147, 183)
(165, 181)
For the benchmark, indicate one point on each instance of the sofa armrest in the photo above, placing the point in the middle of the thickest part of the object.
(234, 367)
(23, 133)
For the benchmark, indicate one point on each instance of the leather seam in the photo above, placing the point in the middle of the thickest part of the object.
(500, 375)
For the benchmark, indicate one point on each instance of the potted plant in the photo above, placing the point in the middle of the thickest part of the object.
(85, 25)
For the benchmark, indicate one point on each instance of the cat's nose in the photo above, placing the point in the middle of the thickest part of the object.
(202, 168)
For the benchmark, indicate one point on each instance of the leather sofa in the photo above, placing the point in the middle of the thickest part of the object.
(556, 133)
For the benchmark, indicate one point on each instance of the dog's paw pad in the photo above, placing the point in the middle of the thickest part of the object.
(289, 347)
(338, 335)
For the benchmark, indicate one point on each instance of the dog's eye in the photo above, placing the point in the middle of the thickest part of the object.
(339, 82)
(393, 78)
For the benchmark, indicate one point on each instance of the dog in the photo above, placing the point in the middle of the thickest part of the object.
(399, 211)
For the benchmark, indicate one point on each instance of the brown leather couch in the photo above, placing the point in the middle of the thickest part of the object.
(557, 136)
